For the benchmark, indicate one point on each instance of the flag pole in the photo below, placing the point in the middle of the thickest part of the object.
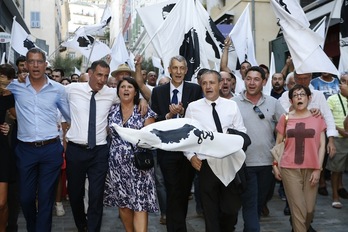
(9, 49)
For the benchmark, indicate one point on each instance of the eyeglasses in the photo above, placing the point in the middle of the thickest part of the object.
(299, 95)
(259, 112)
(38, 62)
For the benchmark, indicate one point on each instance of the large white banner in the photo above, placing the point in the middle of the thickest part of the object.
(303, 43)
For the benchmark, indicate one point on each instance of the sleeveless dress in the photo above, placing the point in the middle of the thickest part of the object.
(125, 185)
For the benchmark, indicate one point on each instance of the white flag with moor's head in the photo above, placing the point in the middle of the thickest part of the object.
(303, 43)
(20, 39)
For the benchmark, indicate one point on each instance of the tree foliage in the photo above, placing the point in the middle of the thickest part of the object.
(148, 66)
(66, 63)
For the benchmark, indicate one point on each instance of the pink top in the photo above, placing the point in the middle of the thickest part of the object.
(302, 142)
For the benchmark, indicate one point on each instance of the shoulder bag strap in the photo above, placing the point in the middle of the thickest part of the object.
(344, 110)
(286, 122)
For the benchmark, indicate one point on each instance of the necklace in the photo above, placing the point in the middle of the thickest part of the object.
(126, 114)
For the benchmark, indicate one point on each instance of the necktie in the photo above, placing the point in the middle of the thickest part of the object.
(216, 118)
(92, 121)
(175, 96)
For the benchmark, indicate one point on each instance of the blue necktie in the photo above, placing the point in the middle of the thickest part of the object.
(216, 118)
(175, 99)
(91, 140)
(175, 96)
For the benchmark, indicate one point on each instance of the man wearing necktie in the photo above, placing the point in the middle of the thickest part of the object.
(170, 101)
(221, 203)
(87, 151)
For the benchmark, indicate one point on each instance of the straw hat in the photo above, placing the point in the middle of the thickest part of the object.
(123, 68)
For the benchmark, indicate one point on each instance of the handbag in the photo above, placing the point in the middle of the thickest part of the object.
(278, 149)
(143, 160)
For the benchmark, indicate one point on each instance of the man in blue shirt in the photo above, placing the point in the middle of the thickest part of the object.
(39, 151)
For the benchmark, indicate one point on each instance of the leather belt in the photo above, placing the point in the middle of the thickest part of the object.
(83, 146)
(43, 142)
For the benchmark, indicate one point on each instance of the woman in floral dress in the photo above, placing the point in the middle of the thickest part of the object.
(130, 189)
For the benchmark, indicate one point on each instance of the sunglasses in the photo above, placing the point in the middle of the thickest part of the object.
(259, 112)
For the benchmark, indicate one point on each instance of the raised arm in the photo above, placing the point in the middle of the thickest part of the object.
(224, 57)
(144, 90)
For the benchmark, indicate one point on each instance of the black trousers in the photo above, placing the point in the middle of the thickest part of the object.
(178, 175)
(93, 163)
(220, 203)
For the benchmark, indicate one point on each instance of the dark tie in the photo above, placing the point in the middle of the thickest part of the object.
(216, 118)
(175, 96)
(92, 121)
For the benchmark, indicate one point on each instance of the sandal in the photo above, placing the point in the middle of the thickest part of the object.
(337, 205)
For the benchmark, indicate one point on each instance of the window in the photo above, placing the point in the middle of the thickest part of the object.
(34, 19)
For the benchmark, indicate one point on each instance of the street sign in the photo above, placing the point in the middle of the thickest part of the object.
(5, 37)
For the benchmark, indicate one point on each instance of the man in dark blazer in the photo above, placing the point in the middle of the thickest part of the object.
(170, 101)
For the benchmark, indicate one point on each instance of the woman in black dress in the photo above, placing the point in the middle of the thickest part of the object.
(7, 73)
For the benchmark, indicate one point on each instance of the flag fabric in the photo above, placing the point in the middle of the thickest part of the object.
(343, 64)
(320, 29)
(242, 38)
(96, 28)
(189, 31)
(268, 87)
(157, 63)
(153, 16)
(185, 134)
(77, 71)
(20, 39)
(130, 61)
(88, 46)
(182, 134)
(119, 52)
(303, 43)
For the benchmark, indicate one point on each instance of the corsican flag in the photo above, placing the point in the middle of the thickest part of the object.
(190, 33)
(242, 38)
(20, 39)
(186, 135)
(88, 46)
(303, 43)
(153, 16)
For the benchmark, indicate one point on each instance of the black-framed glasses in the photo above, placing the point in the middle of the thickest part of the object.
(259, 112)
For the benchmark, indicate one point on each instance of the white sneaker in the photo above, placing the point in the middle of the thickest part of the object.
(59, 209)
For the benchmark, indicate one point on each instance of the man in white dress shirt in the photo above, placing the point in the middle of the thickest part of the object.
(221, 203)
(82, 159)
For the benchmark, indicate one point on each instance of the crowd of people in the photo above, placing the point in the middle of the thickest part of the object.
(58, 141)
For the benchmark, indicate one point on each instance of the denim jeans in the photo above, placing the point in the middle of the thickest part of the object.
(259, 181)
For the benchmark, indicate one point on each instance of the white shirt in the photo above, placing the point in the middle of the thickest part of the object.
(180, 89)
(79, 95)
(318, 101)
(230, 117)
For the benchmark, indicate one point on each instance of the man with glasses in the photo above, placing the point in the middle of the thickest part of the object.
(260, 114)
(39, 151)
